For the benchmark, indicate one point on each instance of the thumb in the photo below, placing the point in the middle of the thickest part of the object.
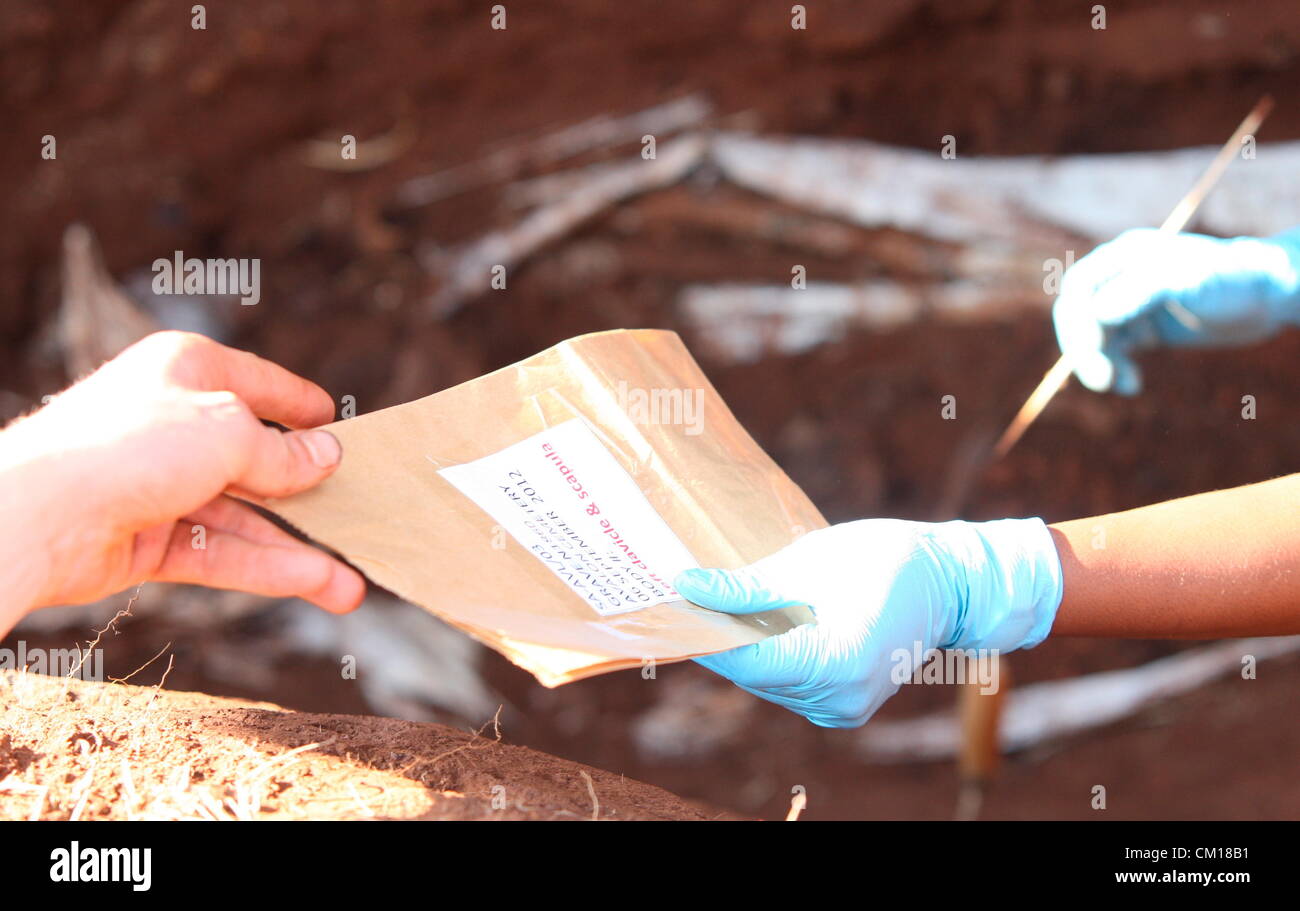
(776, 661)
(731, 591)
(1082, 340)
(284, 463)
(1128, 376)
(1094, 369)
(260, 460)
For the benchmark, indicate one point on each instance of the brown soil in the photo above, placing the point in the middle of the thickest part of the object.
(83, 750)
(173, 139)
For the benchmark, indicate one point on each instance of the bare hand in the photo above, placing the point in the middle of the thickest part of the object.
(122, 476)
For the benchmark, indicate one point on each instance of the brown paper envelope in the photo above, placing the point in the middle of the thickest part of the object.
(388, 510)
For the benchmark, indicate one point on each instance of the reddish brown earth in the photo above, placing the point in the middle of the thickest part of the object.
(174, 139)
(86, 750)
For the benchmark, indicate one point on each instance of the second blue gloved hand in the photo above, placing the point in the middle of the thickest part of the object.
(1148, 288)
(881, 587)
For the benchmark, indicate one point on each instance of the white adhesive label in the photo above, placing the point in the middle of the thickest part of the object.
(569, 503)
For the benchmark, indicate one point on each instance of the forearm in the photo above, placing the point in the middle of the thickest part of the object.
(1217, 564)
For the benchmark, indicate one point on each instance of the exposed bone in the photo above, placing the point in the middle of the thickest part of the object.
(1046, 711)
(370, 153)
(599, 132)
(97, 319)
(1023, 208)
(745, 323)
(409, 663)
(466, 271)
(693, 717)
(968, 200)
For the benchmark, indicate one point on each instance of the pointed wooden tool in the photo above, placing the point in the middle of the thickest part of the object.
(1177, 220)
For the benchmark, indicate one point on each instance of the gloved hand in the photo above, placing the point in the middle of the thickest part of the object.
(1148, 288)
(882, 590)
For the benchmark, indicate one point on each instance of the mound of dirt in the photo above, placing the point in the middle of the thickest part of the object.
(73, 749)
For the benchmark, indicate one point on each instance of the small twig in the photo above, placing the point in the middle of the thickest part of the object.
(21, 787)
(798, 803)
(128, 787)
(161, 651)
(591, 789)
(99, 634)
(82, 787)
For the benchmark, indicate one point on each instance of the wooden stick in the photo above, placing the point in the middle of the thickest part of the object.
(1056, 378)
(980, 753)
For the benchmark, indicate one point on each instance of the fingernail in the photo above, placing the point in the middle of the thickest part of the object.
(323, 447)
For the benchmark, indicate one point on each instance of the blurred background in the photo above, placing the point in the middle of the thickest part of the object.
(775, 148)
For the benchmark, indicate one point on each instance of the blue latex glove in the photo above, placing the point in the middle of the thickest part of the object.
(1148, 288)
(879, 588)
